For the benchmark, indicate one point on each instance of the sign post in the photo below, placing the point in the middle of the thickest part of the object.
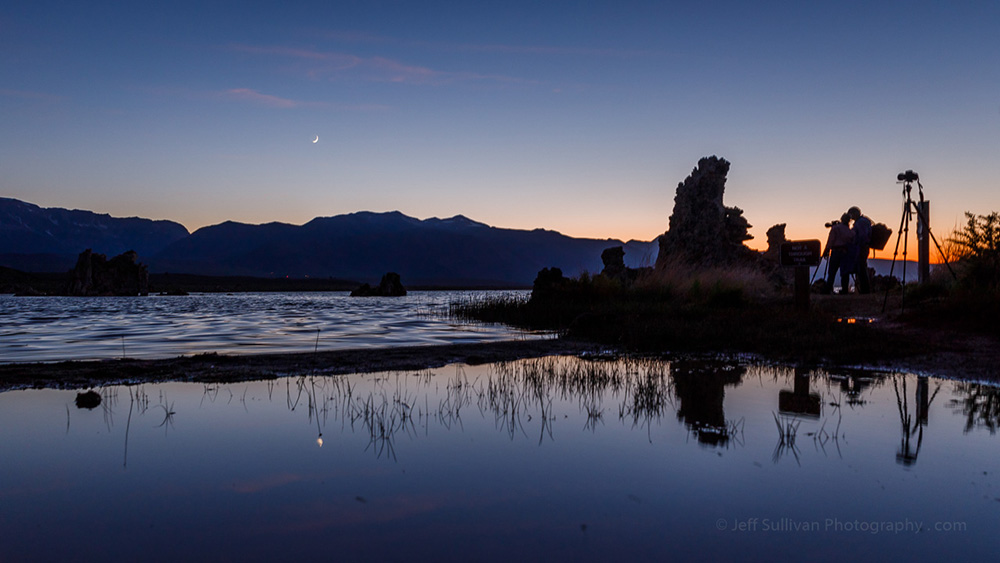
(801, 254)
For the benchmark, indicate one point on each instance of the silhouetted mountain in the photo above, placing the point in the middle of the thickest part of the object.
(456, 251)
(34, 238)
(362, 246)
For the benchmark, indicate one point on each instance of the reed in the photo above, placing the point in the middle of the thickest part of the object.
(168, 413)
(788, 429)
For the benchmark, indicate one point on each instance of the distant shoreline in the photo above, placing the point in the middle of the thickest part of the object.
(41, 284)
(53, 283)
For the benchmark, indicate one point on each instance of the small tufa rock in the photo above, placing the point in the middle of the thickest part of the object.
(775, 238)
(390, 286)
(614, 262)
(615, 268)
(549, 282)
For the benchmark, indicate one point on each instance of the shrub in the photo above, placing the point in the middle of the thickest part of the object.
(977, 246)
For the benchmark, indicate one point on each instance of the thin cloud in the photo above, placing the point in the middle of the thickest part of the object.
(248, 95)
(253, 96)
(548, 50)
(357, 37)
(367, 38)
(373, 69)
(339, 60)
(28, 95)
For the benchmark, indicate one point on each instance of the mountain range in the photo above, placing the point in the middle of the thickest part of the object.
(361, 246)
(41, 239)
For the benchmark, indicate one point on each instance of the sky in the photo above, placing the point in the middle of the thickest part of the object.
(580, 117)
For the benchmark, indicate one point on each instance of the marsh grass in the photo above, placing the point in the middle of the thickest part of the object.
(168, 414)
(788, 429)
(520, 396)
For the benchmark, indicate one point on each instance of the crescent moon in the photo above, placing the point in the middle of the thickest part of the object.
(316, 140)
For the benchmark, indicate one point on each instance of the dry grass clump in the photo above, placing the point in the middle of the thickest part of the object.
(723, 284)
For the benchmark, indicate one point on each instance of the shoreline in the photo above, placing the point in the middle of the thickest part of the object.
(963, 359)
(82, 374)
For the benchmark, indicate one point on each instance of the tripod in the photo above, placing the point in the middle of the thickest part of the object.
(923, 228)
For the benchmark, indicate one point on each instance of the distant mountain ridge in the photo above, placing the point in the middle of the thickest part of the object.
(451, 252)
(39, 239)
(455, 251)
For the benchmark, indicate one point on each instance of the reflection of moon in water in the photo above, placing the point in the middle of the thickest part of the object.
(316, 140)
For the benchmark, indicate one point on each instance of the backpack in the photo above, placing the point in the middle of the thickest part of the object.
(880, 236)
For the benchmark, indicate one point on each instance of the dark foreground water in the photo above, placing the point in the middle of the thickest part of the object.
(36, 329)
(552, 459)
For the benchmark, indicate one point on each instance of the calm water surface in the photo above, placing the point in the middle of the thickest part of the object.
(552, 459)
(68, 328)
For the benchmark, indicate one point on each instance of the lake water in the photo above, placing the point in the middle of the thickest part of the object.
(539, 460)
(69, 328)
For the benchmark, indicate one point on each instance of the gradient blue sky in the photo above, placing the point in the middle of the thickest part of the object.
(580, 117)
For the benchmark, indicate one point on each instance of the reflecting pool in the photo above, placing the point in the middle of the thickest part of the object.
(542, 459)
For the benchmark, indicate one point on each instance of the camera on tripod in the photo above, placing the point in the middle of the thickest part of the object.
(908, 176)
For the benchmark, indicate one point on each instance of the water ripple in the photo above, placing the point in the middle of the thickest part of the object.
(70, 328)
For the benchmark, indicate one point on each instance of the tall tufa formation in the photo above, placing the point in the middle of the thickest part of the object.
(703, 230)
(95, 275)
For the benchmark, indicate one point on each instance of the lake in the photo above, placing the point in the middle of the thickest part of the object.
(561, 458)
(92, 328)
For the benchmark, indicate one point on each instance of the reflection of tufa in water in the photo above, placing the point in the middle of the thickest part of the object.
(701, 388)
(89, 400)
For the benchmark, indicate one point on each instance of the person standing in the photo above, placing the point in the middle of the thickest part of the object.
(837, 242)
(862, 230)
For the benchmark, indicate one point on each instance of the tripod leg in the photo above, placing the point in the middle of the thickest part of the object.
(895, 252)
(824, 273)
(906, 240)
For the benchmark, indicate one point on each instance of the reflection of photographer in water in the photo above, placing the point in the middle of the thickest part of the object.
(862, 230)
(837, 243)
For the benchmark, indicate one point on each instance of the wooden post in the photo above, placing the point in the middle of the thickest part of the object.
(802, 287)
(923, 242)
(801, 254)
